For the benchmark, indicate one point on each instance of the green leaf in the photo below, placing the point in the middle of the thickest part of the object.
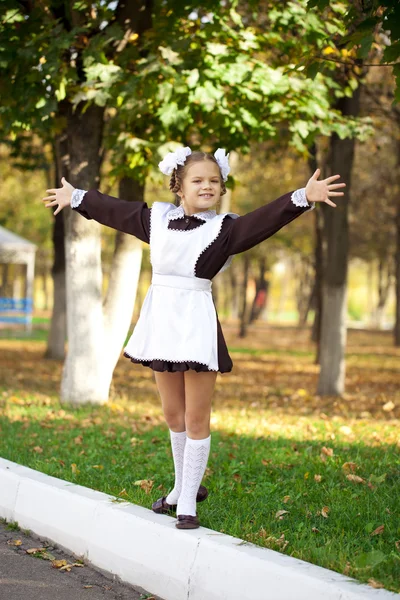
(367, 560)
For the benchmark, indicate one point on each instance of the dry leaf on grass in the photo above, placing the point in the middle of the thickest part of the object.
(280, 513)
(349, 466)
(145, 484)
(378, 530)
(355, 478)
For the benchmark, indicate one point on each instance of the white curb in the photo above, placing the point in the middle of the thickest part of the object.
(147, 550)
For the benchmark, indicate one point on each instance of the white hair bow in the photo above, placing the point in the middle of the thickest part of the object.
(173, 159)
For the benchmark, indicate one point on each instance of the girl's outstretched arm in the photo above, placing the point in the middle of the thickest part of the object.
(256, 226)
(131, 217)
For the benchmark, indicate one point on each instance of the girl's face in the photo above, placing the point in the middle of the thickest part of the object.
(201, 187)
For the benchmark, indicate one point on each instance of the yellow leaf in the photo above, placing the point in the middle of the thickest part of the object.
(306, 475)
(34, 550)
(349, 466)
(317, 478)
(74, 469)
(98, 467)
(14, 542)
(286, 499)
(57, 564)
(328, 50)
(145, 484)
(345, 430)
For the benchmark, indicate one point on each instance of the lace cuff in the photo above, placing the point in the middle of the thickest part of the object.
(299, 198)
(77, 197)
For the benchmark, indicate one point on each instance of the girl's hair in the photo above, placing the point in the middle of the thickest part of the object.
(179, 173)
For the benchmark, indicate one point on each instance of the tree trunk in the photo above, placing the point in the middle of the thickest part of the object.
(243, 310)
(260, 297)
(316, 297)
(123, 282)
(336, 242)
(384, 283)
(397, 271)
(235, 291)
(84, 377)
(58, 326)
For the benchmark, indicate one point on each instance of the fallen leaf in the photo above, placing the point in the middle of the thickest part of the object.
(317, 478)
(14, 542)
(355, 478)
(286, 499)
(378, 530)
(280, 513)
(38, 449)
(145, 484)
(375, 584)
(349, 466)
(324, 511)
(345, 430)
(389, 406)
(34, 550)
(327, 451)
(57, 564)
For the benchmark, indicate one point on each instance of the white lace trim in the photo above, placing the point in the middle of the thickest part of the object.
(179, 213)
(299, 198)
(77, 197)
(230, 258)
(179, 360)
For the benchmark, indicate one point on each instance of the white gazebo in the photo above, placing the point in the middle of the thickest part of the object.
(16, 250)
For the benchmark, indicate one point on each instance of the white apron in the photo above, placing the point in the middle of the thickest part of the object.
(178, 321)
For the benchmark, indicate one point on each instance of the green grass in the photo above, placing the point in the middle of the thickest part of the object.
(276, 445)
(250, 476)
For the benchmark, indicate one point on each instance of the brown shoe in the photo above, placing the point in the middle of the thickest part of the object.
(161, 505)
(187, 522)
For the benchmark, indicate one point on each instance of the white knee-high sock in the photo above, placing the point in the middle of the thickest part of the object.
(178, 443)
(194, 465)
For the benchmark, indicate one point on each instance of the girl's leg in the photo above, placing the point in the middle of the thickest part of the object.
(199, 388)
(171, 389)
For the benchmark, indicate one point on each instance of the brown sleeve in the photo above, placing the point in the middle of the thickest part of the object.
(247, 231)
(128, 216)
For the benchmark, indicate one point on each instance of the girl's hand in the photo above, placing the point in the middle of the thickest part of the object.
(318, 191)
(61, 196)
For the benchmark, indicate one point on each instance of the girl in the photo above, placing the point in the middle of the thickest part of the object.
(178, 333)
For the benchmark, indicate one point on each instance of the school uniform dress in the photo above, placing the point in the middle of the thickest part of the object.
(178, 326)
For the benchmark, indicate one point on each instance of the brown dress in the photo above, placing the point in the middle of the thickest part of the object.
(237, 235)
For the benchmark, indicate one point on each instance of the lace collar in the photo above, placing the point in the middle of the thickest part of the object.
(179, 213)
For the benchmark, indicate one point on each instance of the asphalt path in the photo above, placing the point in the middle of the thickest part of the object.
(36, 575)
